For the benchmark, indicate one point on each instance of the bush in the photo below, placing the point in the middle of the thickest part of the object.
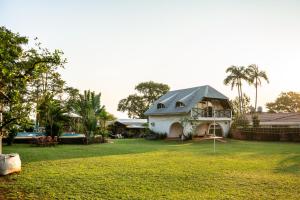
(267, 134)
(240, 122)
(189, 136)
(11, 136)
(255, 121)
(151, 135)
(56, 129)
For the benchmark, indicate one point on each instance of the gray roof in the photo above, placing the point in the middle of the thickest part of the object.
(133, 123)
(280, 118)
(189, 97)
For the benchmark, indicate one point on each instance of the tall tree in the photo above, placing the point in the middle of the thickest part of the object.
(19, 67)
(147, 92)
(286, 102)
(234, 78)
(255, 77)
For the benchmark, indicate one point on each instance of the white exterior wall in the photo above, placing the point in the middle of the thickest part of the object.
(225, 126)
(162, 124)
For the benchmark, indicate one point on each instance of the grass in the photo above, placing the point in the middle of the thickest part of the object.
(139, 169)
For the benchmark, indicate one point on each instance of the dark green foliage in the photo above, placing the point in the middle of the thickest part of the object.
(11, 135)
(151, 135)
(255, 121)
(236, 107)
(19, 68)
(189, 136)
(240, 121)
(54, 130)
(137, 104)
(52, 115)
(89, 108)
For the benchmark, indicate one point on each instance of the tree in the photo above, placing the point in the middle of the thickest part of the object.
(255, 77)
(235, 104)
(51, 114)
(147, 93)
(286, 102)
(234, 78)
(103, 118)
(72, 97)
(19, 67)
(89, 106)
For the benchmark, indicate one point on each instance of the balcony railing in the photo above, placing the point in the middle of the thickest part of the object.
(200, 113)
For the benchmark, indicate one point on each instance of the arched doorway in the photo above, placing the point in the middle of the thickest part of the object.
(218, 131)
(202, 129)
(176, 130)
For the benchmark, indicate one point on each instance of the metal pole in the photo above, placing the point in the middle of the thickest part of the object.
(214, 131)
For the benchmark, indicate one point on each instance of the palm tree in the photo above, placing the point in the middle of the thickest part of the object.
(89, 106)
(255, 77)
(234, 78)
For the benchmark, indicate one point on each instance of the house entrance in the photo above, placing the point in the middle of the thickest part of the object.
(176, 130)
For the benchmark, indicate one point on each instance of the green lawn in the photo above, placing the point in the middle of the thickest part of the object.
(139, 169)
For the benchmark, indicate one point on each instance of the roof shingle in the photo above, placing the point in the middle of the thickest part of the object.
(189, 97)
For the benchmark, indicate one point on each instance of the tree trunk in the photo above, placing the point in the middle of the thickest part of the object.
(242, 98)
(255, 94)
(0, 144)
(239, 94)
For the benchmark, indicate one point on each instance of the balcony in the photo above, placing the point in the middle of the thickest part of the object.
(197, 113)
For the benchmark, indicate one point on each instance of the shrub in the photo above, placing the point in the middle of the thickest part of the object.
(240, 122)
(189, 136)
(151, 135)
(267, 134)
(255, 121)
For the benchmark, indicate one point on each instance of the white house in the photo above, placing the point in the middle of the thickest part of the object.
(191, 111)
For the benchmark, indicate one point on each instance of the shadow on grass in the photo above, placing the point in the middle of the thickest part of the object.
(137, 146)
(30, 153)
(290, 165)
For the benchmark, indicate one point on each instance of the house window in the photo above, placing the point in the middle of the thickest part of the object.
(179, 104)
(160, 105)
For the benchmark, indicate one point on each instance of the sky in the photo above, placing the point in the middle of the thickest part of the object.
(113, 45)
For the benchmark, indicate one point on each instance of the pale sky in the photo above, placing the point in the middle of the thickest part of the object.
(113, 45)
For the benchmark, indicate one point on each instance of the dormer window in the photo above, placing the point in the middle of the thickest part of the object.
(160, 106)
(179, 104)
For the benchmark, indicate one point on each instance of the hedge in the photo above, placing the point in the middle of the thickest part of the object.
(267, 134)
